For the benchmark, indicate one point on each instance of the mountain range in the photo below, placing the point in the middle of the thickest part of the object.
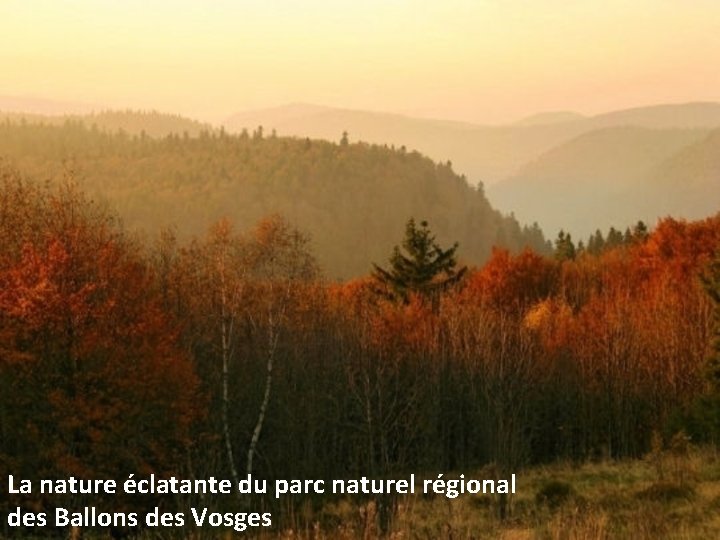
(560, 169)
(353, 200)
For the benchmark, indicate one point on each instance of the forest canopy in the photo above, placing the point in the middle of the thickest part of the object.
(228, 354)
(349, 198)
(219, 348)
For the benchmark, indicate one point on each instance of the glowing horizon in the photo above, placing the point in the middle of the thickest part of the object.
(473, 60)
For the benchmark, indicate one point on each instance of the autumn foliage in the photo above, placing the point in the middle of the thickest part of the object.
(94, 383)
(230, 353)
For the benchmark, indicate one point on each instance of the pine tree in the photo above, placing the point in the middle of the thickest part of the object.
(627, 237)
(425, 268)
(564, 247)
(596, 244)
(640, 232)
(614, 238)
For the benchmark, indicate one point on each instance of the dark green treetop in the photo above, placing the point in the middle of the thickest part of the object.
(424, 268)
(564, 247)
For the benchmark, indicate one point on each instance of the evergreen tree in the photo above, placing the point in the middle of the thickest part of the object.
(595, 243)
(425, 268)
(614, 238)
(628, 237)
(640, 232)
(564, 247)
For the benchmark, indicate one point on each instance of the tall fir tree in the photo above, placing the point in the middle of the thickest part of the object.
(425, 268)
(564, 247)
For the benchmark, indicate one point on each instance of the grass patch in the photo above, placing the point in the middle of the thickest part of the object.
(554, 494)
(625, 500)
(667, 492)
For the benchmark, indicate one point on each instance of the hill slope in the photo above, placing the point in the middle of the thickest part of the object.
(353, 199)
(550, 117)
(688, 183)
(485, 154)
(482, 153)
(677, 115)
(598, 179)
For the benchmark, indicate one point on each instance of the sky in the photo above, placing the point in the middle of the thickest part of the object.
(485, 61)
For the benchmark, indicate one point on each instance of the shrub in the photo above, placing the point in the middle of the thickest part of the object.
(554, 494)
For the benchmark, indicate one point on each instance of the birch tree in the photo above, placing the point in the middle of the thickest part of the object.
(280, 260)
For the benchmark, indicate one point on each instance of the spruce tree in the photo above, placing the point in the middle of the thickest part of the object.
(423, 268)
(596, 245)
(564, 247)
(640, 232)
(614, 238)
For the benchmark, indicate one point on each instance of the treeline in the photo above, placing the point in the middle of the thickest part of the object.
(228, 355)
(345, 196)
(130, 122)
(598, 243)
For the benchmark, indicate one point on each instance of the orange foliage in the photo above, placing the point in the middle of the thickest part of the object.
(105, 362)
(679, 247)
(510, 282)
(404, 328)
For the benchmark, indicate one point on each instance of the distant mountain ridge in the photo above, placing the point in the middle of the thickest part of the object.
(701, 114)
(561, 169)
(688, 183)
(150, 123)
(551, 117)
(607, 177)
(484, 153)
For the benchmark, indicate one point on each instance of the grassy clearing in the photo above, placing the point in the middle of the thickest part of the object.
(672, 494)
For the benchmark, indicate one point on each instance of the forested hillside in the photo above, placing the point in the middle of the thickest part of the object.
(562, 169)
(607, 177)
(688, 183)
(148, 123)
(350, 198)
(485, 153)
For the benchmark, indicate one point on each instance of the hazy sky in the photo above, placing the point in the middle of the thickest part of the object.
(475, 60)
